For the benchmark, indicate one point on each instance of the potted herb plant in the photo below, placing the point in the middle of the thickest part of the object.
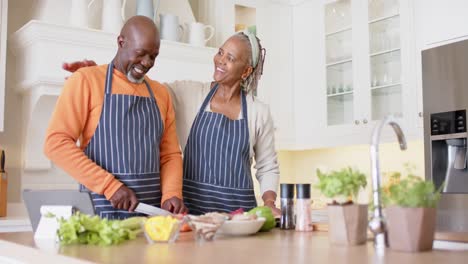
(347, 220)
(410, 210)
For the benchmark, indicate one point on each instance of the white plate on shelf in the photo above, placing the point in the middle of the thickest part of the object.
(241, 227)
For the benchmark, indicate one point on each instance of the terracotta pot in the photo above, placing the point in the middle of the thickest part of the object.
(347, 224)
(410, 229)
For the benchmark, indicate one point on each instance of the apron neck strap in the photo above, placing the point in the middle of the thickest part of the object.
(244, 105)
(110, 70)
(211, 94)
(208, 98)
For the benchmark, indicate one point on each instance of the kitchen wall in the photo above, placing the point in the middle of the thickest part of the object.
(19, 12)
(301, 166)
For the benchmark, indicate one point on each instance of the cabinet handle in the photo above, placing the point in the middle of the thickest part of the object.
(356, 122)
(364, 121)
(420, 114)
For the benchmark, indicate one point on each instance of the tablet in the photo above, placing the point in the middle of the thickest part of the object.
(34, 199)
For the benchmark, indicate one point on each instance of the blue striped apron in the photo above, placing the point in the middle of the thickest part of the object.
(126, 144)
(217, 174)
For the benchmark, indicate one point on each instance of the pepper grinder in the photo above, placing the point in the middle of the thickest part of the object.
(287, 206)
(303, 217)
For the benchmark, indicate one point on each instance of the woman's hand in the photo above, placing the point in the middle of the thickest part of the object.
(276, 211)
(269, 198)
(74, 66)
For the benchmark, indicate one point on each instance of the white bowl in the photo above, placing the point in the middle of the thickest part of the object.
(241, 227)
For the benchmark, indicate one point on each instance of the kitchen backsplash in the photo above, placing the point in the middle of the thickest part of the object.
(301, 166)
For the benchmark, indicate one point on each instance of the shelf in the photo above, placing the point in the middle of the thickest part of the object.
(383, 52)
(384, 86)
(339, 94)
(338, 31)
(383, 18)
(339, 62)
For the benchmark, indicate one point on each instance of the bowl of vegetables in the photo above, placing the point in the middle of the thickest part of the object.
(205, 226)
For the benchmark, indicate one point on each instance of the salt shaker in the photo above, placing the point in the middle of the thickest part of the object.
(303, 217)
(287, 206)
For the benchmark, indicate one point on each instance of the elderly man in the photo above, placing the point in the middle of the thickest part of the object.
(129, 151)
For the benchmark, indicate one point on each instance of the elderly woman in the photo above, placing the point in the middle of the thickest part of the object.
(222, 127)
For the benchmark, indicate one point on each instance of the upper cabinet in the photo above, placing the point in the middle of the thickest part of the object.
(353, 65)
(439, 22)
(339, 63)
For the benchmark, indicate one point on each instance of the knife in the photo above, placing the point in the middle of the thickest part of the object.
(151, 210)
(2, 161)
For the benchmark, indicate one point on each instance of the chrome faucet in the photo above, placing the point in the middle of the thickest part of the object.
(377, 224)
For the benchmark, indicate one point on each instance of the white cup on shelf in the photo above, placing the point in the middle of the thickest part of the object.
(170, 27)
(198, 34)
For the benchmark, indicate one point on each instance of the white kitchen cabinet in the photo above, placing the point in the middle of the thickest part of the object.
(441, 21)
(353, 64)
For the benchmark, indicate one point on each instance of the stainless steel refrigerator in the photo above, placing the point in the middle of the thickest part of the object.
(445, 102)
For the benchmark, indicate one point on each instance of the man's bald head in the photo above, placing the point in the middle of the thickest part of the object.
(138, 48)
(140, 27)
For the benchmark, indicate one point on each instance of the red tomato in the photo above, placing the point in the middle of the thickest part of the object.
(185, 228)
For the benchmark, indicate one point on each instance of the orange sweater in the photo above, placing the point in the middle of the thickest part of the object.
(77, 115)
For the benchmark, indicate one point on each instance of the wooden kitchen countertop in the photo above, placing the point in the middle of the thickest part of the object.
(277, 246)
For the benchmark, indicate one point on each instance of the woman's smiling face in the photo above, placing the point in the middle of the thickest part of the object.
(232, 61)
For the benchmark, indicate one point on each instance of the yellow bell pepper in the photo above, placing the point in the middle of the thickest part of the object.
(159, 228)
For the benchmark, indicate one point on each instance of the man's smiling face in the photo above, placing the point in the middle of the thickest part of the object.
(138, 53)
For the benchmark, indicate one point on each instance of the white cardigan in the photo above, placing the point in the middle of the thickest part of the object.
(188, 96)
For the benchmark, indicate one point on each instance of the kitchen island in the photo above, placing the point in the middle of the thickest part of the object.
(277, 246)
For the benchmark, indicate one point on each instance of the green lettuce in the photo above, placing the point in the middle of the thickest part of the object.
(92, 230)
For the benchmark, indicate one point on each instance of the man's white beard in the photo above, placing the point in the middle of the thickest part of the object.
(133, 80)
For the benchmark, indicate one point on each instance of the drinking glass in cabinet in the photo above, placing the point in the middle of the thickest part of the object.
(338, 47)
(382, 8)
(337, 16)
(338, 77)
(384, 35)
(386, 69)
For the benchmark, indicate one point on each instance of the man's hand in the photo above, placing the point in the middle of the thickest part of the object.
(74, 66)
(124, 199)
(174, 205)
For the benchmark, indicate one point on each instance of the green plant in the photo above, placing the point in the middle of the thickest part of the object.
(411, 191)
(344, 183)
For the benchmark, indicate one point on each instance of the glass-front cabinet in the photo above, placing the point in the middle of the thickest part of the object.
(339, 63)
(364, 45)
(385, 58)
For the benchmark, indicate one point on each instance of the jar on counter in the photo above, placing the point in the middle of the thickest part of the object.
(287, 206)
(303, 213)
